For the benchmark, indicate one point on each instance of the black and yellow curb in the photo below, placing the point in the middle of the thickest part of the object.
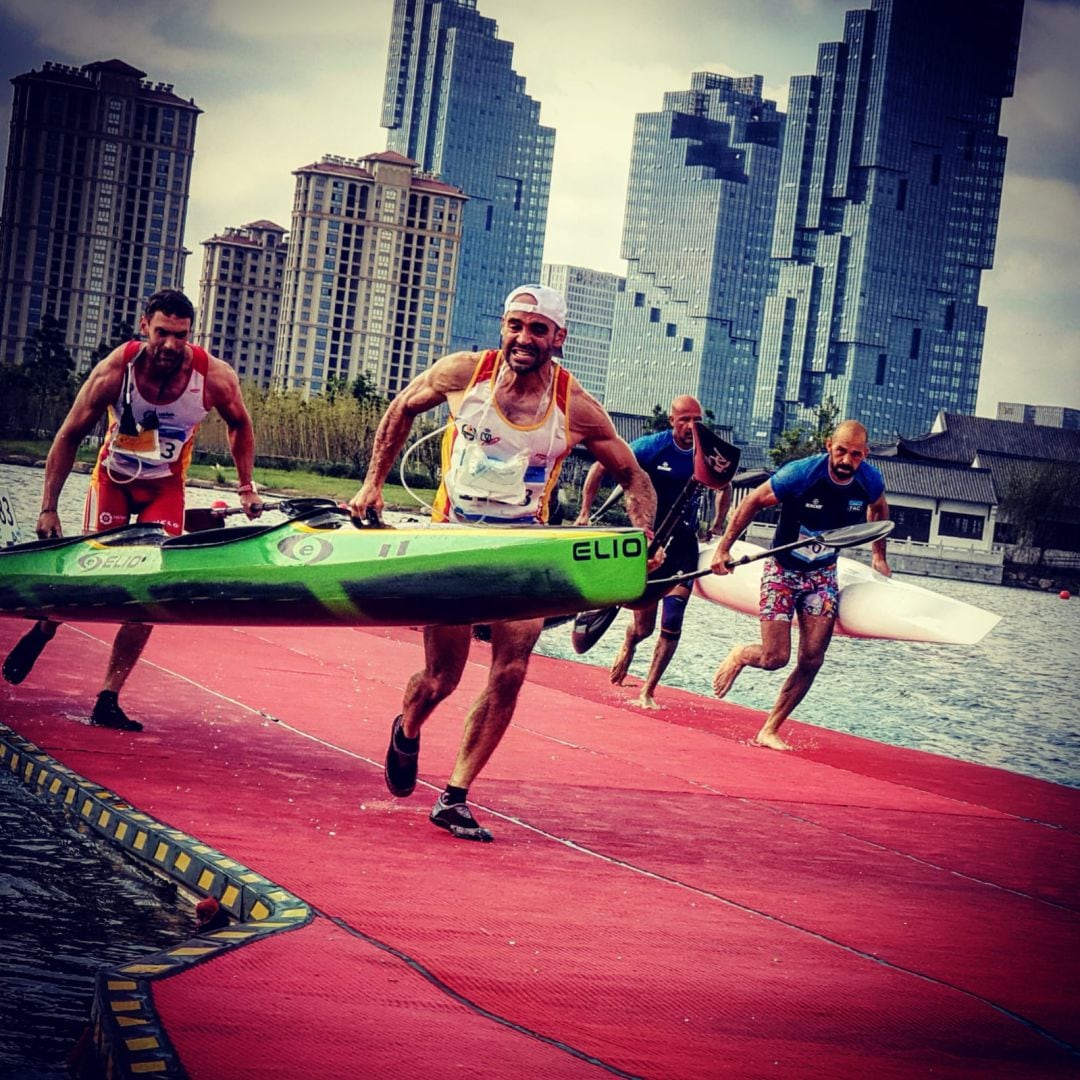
(128, 1035)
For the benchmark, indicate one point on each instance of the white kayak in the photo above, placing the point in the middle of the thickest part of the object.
(871, 606)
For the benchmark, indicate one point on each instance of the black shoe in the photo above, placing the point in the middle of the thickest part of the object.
(20, 661)
(401, 765)
(457, 819)
(107, 713)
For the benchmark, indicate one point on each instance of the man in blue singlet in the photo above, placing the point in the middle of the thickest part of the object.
(816, 494)
(668, 459)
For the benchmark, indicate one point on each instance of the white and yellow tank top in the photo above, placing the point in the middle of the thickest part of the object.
(163, 437)
(496, 470)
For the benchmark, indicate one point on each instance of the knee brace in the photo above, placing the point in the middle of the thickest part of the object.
(671, 619)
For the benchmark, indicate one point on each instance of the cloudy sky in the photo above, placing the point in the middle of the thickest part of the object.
(282, 83)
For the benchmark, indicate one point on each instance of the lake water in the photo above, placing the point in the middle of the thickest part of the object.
(68, 908)
(1009, 701)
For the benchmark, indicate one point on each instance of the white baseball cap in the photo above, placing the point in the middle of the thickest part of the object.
(548, 303)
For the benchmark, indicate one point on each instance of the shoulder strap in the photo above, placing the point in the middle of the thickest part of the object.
(200, 358)
(562, 389)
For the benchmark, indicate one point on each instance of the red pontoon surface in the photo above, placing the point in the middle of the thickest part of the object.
(661, 899)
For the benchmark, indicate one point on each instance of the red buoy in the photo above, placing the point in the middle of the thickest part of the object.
(217, 504)
(1064, 594)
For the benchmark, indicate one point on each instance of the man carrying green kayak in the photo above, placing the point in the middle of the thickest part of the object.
(156, 393)
(515, 415)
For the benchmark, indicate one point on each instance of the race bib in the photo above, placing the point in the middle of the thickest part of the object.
(145, 445)
(812, 553)
(477, 476)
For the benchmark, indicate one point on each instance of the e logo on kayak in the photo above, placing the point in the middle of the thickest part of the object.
(305, 549)
(613, 547)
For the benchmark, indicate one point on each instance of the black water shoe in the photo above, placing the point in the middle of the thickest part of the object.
(107, 713)
(20, 661)
(401, 761)
(457, 819)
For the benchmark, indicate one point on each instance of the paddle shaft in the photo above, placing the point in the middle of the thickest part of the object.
(199, 518)
(849, 536)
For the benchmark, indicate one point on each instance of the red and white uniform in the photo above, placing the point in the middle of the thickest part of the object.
(494, 469)
(150, 486)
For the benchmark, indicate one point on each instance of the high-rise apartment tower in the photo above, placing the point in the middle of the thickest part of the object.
(240, 297)
(95, 199)
(370, 273)
(454, 103)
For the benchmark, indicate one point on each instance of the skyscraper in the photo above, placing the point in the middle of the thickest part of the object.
(370, 273)
(240, 297)
(887, 216)
(454, 103)
(590, 297)
(699, 213)
(98, 172)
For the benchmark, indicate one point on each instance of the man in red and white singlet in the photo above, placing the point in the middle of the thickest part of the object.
(156, 393)
(515, 415)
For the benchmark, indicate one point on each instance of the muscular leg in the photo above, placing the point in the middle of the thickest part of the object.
(815, 633)
(773, 652)
(670, 630)
(20, 661)
(446, 648)
(127, 647)
(511, 645)
(642, 625)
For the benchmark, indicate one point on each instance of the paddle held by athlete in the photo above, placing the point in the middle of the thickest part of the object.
(818, 493)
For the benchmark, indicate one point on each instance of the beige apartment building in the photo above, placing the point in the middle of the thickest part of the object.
(242, 275)
(370, 273)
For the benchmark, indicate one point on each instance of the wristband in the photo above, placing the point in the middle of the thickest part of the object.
(243, 489)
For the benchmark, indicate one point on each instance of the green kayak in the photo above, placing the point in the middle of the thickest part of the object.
(321, 569)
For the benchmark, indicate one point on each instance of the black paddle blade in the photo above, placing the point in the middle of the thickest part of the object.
(715, 460)
(865, 532)
(589, 627)
(199, 519)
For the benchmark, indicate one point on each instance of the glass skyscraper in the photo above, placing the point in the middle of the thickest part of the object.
(886, 218)
(696, 236)
(454, 104)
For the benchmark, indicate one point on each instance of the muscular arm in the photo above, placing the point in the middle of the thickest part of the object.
(588, 491)
(101, 388)
(721, 506)
(428, 390)
(223, 394)
(879, 511)
(761, 498)
(592, 426)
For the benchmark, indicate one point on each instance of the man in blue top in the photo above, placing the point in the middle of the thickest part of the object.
(668, 459)
(826, 491)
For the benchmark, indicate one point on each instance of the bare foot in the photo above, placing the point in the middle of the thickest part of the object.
(646, 701)
(621, 667)
(728, 672)
(770, 740)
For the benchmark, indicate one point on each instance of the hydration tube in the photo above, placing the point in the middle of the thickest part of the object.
(405, 457)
